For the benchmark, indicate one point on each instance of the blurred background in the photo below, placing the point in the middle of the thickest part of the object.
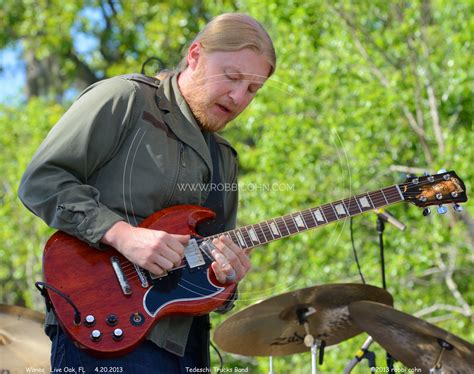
(364, 93)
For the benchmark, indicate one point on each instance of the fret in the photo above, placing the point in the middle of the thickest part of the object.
(274, 229)
(267, 230)
(291, 224)
(261, 235)
(283, 229)
(351, 206)
(393, 194)
(377, 199)
(306, 216)
(319, 215)
(329, 213)
(299, 221)
(233, 236)
(266, 233)
(253, 235)
(384, 197)
(357, 202)
(240, 238)
(366, 203)
(246, 236)
(400, 193)
(339, 209)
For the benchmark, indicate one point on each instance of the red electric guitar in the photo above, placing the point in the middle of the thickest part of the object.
(108, 305)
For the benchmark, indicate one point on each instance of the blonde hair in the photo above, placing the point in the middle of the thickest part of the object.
(232, 32)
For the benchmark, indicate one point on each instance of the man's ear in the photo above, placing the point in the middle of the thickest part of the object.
(194, 53)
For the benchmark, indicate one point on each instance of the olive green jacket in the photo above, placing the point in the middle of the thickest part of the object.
(124, 150)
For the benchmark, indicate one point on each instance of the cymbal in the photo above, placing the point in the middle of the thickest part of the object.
(23, 343)
(271, 327)
(412, 341)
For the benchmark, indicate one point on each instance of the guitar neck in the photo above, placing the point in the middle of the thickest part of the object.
(251, 236)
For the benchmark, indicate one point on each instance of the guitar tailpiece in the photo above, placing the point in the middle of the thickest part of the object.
(49, 305)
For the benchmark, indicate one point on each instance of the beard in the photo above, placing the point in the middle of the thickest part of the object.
(200, 109)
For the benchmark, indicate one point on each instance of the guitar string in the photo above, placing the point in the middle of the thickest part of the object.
(288, 219)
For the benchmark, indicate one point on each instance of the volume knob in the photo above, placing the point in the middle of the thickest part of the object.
(117, 334)
(96, 335)
(89, 320)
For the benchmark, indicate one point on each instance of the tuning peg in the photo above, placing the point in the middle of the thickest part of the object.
(442, 209)
(441, 171)
(426, 212)
(457, 207)
(430, 177)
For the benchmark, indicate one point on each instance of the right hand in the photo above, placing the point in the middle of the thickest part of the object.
(153, 250)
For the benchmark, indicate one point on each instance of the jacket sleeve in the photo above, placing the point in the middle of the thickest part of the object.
(55, 184)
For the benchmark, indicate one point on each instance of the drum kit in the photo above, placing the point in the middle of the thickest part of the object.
(24, 347)
(312, 318)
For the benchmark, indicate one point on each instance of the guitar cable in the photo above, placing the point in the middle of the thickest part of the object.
(221, 361)
(77, 313)
(354, 250)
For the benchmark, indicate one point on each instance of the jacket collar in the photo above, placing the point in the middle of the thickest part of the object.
(179, 118)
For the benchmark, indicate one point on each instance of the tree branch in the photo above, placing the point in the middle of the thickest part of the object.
(446, 307)
(85, 73)
(450, 283)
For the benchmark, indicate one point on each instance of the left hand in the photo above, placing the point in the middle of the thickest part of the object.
(229, 259)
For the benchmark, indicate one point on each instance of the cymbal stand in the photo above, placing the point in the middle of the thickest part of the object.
(438, 367)
(309, 340)
(363, 353)
(270, 365)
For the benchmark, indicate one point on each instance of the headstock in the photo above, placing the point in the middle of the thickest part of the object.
(436, 189)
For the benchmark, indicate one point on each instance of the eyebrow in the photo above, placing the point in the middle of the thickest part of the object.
(242, 76)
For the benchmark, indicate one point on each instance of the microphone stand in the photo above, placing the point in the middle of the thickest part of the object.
(380, 227)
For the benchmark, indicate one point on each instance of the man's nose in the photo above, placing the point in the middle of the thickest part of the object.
(238, 94)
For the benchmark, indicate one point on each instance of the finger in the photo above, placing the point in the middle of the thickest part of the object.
(171, 255)
(183, 239)
(163, 262)
(231, 257)
(154, 268)
(219, 273)
(222, 261)
(230, 272)
(177, 244)
(239, 252)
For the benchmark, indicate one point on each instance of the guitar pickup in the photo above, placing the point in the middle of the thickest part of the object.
(194, 256)
(123, 282)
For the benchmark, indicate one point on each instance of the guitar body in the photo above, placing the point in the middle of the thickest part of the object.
(87, 276)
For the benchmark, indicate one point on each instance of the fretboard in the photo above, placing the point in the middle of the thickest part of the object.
(247, 237)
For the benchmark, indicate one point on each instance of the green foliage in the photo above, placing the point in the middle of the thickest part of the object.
(22, 235)
(362, 91)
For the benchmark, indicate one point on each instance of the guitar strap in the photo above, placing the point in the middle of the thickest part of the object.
(215, 199)
(199, 336)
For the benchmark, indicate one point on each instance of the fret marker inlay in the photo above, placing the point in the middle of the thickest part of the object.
(241, 239)
(364, 203)
(318, 215)
(274, 229)
(340, 210)
(299, 221)
(253, 235)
